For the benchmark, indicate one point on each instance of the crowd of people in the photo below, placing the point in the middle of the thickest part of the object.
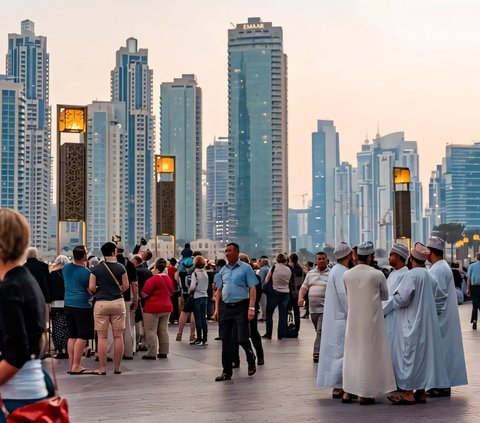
(374, 336)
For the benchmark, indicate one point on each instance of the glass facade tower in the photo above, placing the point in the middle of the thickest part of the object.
(257, 136)
(131, 85)
(217, 184)
(12, 144)
(181, 136)
(28, 63)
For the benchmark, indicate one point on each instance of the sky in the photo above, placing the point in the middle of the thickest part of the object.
(399, 65)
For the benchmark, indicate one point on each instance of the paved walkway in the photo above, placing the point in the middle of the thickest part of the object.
(182, 388)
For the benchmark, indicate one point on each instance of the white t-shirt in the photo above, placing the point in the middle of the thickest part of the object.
(28, 383)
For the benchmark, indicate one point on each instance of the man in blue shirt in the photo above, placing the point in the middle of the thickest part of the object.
(473, 289)
(234, 307)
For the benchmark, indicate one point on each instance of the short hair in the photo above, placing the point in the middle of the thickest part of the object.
(235, 246)
(79, 252)
(147, 255)
(14, 234)
(244, 257)
(264, 257)
(199, 262)
(137, 259)
(281, 258)
(160, 264)
(173, 261)
(196, 253)
(108, 249)
(436, 252)
(221, 262)
(187, 245)
(294, 258)
(32, 252)
(61, 260)
(320, 253)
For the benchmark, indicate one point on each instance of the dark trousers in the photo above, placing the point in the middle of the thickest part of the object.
(200, 313)
(475, 296)
(234, 327)
(256, 341)
(280, 299)
(175, 315)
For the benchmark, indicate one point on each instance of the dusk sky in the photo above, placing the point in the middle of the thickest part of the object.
(410, 65)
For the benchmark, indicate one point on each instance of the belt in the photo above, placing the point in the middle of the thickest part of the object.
(232, 305)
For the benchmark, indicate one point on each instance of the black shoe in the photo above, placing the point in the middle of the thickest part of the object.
(266, 336)
(127, 358)
(161, 355)
(223, 377)
(61, 356)
(315, 359)
(218, 338)
(474, 326)
(252, 368)
(148, 357)
(260, 362)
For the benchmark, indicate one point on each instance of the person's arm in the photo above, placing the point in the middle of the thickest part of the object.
(251, 303)
(124, 285)
(469, 284)
(147, 288)
(193, 283)
(7, 371)
(383, 288)
(134, 296)
(218, 298)
(404, 293)
(92, 284)
(301, 295)
(269, 276)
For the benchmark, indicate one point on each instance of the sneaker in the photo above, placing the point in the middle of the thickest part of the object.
(203, 343)
(161, 355)
(195, 342)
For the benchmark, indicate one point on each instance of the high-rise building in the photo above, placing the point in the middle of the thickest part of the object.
(375, 188)
(217, 190)
(28, 63)
(106, 174)
(181, 136)
(131, 85)
(325, 158)
(12, 144)
(435, 211)
(345, 222)
(462, 185)
(257, 136)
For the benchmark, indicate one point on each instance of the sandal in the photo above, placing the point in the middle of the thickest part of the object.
(420, 397)
(366, 401)
(346, 398)
(400, 400)
(437, 392)
(337, 393)
(223, 377)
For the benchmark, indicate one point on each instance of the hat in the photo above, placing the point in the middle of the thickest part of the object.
(365, 248)
(401, 250)
(119, 246)
(437, 243)
(420, 252)
(342, 251)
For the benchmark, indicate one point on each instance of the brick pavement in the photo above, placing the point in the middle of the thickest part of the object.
(182, 388)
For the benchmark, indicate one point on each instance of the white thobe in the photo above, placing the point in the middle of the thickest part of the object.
(367, 364)
(392, 284)
(330, 363)
(418, 349)
(450, 324)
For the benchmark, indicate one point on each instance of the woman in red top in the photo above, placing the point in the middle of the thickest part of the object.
(158, 306)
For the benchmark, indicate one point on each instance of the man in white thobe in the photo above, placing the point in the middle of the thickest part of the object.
(448, 318)
(418, 351)
(330, 365)
(397, 259)
(367, 363)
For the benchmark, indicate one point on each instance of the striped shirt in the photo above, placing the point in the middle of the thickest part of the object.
(316, 284)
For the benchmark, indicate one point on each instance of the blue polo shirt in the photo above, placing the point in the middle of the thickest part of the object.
(235, 281)
(473, 273)
(76, 279)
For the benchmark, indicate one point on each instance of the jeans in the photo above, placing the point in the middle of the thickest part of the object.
(280, 299)
(296, 311)
(12, 405)
(475, 296)
(200, 313)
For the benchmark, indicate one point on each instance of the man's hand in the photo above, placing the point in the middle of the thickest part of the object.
(468, 292)
(301, 302)
(251, 314)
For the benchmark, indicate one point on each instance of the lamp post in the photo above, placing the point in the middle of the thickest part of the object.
(402, 207)
(165, 198)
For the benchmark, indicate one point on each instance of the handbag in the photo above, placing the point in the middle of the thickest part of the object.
(49, 410)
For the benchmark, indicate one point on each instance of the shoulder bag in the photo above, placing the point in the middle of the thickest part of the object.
(49, 410)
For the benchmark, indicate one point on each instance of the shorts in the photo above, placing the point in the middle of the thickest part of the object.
(109, 312)
(79, 322)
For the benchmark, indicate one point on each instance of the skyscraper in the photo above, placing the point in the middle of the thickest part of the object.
(181, 136)
(435, 211)
(345, 221)
(131, 85)
(12, 144)
(462, 185)
(217, 184)
(375, 187)
(325, 158)
(28, 63)
(106, 174)
(257, 136)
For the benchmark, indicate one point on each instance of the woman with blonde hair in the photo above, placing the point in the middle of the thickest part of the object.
(59, 321)
(22, 319)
